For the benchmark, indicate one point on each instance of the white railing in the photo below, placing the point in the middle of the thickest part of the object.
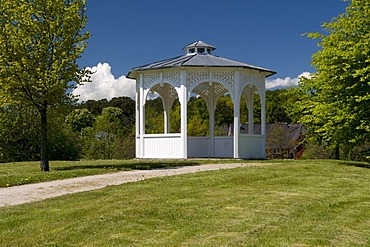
(163, 146)
(199, 146)
(224, 147)
(252, 147)
(171, 146)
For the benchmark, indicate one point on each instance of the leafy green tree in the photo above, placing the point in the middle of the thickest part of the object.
(224, 114)
(111, 121)
(175, 117)
(94, 106)
(19, 134)
(154, 116)
(79, 119)
(109, 138)
(40, 41)
(198, 117)
(335, 102)
(277, 107)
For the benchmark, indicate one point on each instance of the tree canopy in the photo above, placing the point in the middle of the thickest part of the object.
(335, 102)
(40, 42)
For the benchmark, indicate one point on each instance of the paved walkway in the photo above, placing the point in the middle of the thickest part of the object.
(36, 192)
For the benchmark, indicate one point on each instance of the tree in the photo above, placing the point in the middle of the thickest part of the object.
(336, 100)
(40, 41)
(19, 135)
(277, 108)
(18, 129)
(79, 119)
(109, 138)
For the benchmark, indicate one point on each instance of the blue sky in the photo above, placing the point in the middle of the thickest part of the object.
(266, 33)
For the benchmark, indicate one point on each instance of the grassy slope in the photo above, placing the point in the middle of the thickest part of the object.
(306, 203)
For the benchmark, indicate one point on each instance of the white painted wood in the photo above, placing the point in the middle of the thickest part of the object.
(224, 146)
(211, 113)
(183, 97)
(252, 147)
(199, 147)
(236, 94)
(137, 122)
(162, 146)
(210, 84)
(142, 112)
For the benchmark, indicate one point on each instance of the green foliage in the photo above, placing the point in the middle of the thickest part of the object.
(175, 117)
(109, 138)
(278, 107)
(40, 42)
(19, 135)
(224, 114)
(106, 128)
(79, 119)
(154, 116)
(111, 121)
(334, 103)
(126, 104)
(198, 117)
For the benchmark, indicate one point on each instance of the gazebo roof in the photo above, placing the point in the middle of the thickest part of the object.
(196, 57)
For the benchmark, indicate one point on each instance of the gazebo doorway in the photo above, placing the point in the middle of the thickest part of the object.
(211, 77)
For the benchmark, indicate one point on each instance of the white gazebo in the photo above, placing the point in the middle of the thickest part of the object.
(209, 76)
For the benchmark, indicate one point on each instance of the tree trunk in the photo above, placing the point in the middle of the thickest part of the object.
(44, 165)
(336, 155)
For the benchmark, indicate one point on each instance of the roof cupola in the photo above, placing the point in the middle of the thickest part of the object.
(198, 47)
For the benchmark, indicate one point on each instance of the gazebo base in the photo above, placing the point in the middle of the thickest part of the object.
(170, 146)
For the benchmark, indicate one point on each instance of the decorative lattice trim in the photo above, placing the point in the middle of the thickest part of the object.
(173, 78)
(151, 79)
(194, 77)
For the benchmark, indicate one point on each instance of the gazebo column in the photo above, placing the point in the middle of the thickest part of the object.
(236, 115)
(183, 97)
(166, 108)
(212, 132)
(166, 122)
(142, 117)
(236, 128)
(137, 120)
(211, 111)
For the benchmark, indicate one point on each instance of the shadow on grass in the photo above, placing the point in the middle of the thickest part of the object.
(361, 165)
(128, 166)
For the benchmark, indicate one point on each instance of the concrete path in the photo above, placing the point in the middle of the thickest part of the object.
(36, 192)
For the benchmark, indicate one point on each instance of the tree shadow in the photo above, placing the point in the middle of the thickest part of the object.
(128, 166)
(361, 165)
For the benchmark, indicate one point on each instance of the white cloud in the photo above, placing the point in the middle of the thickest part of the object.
(286, 82)
(103, 85)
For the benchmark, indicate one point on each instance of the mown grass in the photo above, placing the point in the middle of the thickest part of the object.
(12, 174)
(305, 203)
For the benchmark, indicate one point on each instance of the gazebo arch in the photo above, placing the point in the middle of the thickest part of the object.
(200, 72)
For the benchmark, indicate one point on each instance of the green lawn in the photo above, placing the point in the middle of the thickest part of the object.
(305, 203)
(12, 174)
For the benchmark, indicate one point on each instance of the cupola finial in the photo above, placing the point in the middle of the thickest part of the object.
(198, 47)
